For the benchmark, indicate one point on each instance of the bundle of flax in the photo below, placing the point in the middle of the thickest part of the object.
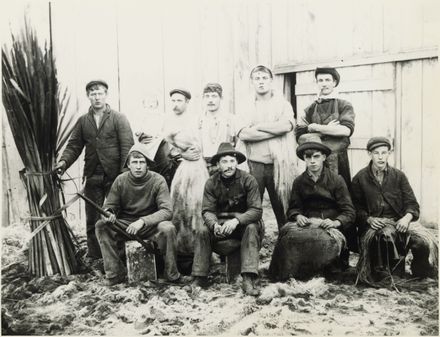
(36, 108)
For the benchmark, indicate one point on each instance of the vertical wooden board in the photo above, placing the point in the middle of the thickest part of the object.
(362, 28)
(263, 33)
(429, 201)
(303, 102)
(296, 31)
(411, 143)
(252, 32)
(391, 26)
(383, 113)
(358, 160)
(377, 26)
(280, 29)
(140, 60)
(411, 25)
(362, 106)
(431, 23)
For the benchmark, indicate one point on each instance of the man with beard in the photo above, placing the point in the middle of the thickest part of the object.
(140, 200)
(231, 209)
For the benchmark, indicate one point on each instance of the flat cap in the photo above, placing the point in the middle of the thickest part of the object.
(376, 142)
(96, 82)
(328, 70)
(181, 91)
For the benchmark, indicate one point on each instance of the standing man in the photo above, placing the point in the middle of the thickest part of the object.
(268, 136)
(215, 125)
(387, 211)
(107, 137)
(231, 209)
(140, 200)
(332, 118)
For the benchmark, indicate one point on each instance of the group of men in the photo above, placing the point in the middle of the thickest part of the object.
(139, 198)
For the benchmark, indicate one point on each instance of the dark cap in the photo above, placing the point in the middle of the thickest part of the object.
(226, 149)
(311, 141)
(329, 70)
(96, 82)
(181, 91)
(262, 68)
(376, 142)
(213, 87)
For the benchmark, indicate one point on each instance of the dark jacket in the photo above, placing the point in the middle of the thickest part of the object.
(328, 197)
(367, 194)
(240, 196)
(108, 145)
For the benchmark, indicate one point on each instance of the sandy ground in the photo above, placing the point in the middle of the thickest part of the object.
(80, 305)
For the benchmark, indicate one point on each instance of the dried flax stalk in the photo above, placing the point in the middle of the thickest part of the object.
(37, 114)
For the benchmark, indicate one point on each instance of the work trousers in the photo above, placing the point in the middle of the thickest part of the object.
(96, 189)
(263, 173)
(111, 242)
(205, 243)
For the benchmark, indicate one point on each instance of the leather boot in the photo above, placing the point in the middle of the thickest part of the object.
(248, 285)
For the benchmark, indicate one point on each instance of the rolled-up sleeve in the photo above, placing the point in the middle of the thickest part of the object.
(347, 116)
(254, 210)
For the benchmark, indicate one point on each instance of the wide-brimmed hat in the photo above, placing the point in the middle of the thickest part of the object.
(96, 82)
(328, 70)
(181, 91)
(311, 141)
(375, 142)
(226, 149)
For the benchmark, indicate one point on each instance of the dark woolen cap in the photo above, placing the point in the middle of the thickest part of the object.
(96, 82)
(181, 91)
(329, 70)
(376, 142)
(213, 87)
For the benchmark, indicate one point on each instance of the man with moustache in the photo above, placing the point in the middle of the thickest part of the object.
(332, 118)
(215, 124)
(140, 200)
(107, 138)
(387, 214)
(231, 209)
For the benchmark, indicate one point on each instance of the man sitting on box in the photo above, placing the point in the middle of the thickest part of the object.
(231, 209)
(140, 200)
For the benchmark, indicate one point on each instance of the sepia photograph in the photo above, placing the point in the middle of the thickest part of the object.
(220, 167)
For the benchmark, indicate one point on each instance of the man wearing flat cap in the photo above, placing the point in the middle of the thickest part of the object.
(387, 214)
(216, 125)
(332, 118)
(107, 138)
(319, 198)
(231, 209)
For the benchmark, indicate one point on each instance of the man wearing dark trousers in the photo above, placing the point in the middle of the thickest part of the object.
(107, 137)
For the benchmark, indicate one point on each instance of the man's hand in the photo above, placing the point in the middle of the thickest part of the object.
(60, 167)
(191, 154)
(377, 223)
(135, 227)
(229, 226)
(402, 224)
(328, 223)
(302, 220)
(218, 231)
(111, 217)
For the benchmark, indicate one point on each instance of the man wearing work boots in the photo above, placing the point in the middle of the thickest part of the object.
(319, 201)
(140, 200)
(387, 211)
(231, 209)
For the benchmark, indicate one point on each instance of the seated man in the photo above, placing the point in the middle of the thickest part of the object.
(231, 209)
(140, 200)
(319, 200)
(386, 210)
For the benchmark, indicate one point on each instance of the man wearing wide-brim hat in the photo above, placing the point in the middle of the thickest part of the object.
(387, 214)
(319, 198)
(332, 118)
(231, 210)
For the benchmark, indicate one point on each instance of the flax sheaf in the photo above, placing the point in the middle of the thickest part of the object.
(187, 193)
(415, 230)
